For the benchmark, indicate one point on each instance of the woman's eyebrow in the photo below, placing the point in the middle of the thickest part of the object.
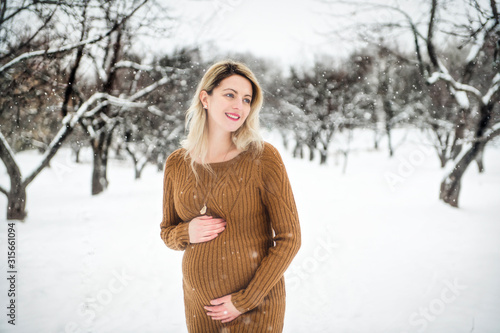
(236, 91)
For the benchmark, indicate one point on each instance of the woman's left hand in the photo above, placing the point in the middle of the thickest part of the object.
(222, 309)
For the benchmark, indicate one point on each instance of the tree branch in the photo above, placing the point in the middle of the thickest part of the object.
(69, 47)
(149, 88)
(62, 49)
(4, 191)
(32, 37)
(492, 133)
(3, 9)
(456, 85)
(494, 10)
(413, 26)
(122, 64)
(8, 158)
(495, 86)
(68, 92)
(70, 121)
(477, 46)
(430, 33)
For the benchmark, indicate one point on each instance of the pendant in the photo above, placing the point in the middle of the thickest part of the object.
(203, 210)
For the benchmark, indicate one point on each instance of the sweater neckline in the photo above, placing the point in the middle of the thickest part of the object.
(230, 161)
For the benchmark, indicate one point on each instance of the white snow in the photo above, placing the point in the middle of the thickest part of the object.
(495, 85)
(458, 89)
(462, 99)
(478, 43)
(375, 257)
(37, 53)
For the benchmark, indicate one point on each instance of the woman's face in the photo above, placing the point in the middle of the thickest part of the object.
(229, 104)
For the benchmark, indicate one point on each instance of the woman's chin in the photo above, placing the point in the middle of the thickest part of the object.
(233, 128)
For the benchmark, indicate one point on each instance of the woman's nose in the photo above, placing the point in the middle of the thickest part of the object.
(237, 104)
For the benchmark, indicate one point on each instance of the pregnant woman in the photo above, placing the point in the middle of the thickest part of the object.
(228, 204)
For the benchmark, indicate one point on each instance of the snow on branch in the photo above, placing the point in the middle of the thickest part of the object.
(149, 88)
(492, 132)
(54, 145)
(141, 67)
(175, 133)
(134, 65)
(441, 123)
(83, 108)
(155, 110)
(461, 98)
(117, 101)
(69, 124)
(479, 41)
(456, 85)
(61, 49)
(69, 47)
(495, 85)
(91, 113)
(7, 148)
(487, 136)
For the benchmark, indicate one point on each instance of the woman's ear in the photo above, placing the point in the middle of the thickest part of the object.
(204, 98)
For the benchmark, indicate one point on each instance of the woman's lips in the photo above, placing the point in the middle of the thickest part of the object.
(233, 116)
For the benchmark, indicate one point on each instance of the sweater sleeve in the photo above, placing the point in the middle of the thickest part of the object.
(278, 198)
(174, 232)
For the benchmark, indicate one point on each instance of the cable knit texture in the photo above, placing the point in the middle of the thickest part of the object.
(248, 259)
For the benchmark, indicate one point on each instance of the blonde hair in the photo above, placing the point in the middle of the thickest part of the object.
(246, 137)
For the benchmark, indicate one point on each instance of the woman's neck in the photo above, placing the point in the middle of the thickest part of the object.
(220, 147)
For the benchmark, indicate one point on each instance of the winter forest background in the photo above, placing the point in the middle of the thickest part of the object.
(387, 115)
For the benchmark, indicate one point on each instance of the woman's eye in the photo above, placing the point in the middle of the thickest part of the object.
(248, 101)
(230, 95)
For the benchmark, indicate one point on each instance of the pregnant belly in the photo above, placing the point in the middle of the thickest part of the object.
(219, 267)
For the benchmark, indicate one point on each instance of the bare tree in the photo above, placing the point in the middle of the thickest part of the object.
(473, 93)
(486, 33)
(149, 138)
(71, 98)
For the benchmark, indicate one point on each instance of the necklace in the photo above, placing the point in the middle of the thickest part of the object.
(203, 209)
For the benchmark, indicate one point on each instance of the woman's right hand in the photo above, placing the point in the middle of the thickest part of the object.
(205, 228)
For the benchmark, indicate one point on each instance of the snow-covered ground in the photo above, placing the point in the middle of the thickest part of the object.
(380, 252)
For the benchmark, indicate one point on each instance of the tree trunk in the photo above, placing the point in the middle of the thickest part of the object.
(160, 162)
(311, 152)
(16, 203)
(323, 157)
(389, 140)
(285, 140)
(298, 151)
(450, 186)
(99, 180)
(376, 129)
(479, 160)
(100, 146)
(375, 139)
(312, 144)
(138, 167)
(100, 143)
(346, 156)
(456, 147)
(75, 148)
(442, 158)
(389, 114)
(16, 196)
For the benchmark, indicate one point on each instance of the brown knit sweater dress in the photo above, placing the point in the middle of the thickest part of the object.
(248, 259)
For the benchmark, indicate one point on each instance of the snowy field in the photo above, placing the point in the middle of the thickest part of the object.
(380, 253)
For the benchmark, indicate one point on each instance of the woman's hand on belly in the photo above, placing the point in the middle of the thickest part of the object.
(222, 309)
(205, 228)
